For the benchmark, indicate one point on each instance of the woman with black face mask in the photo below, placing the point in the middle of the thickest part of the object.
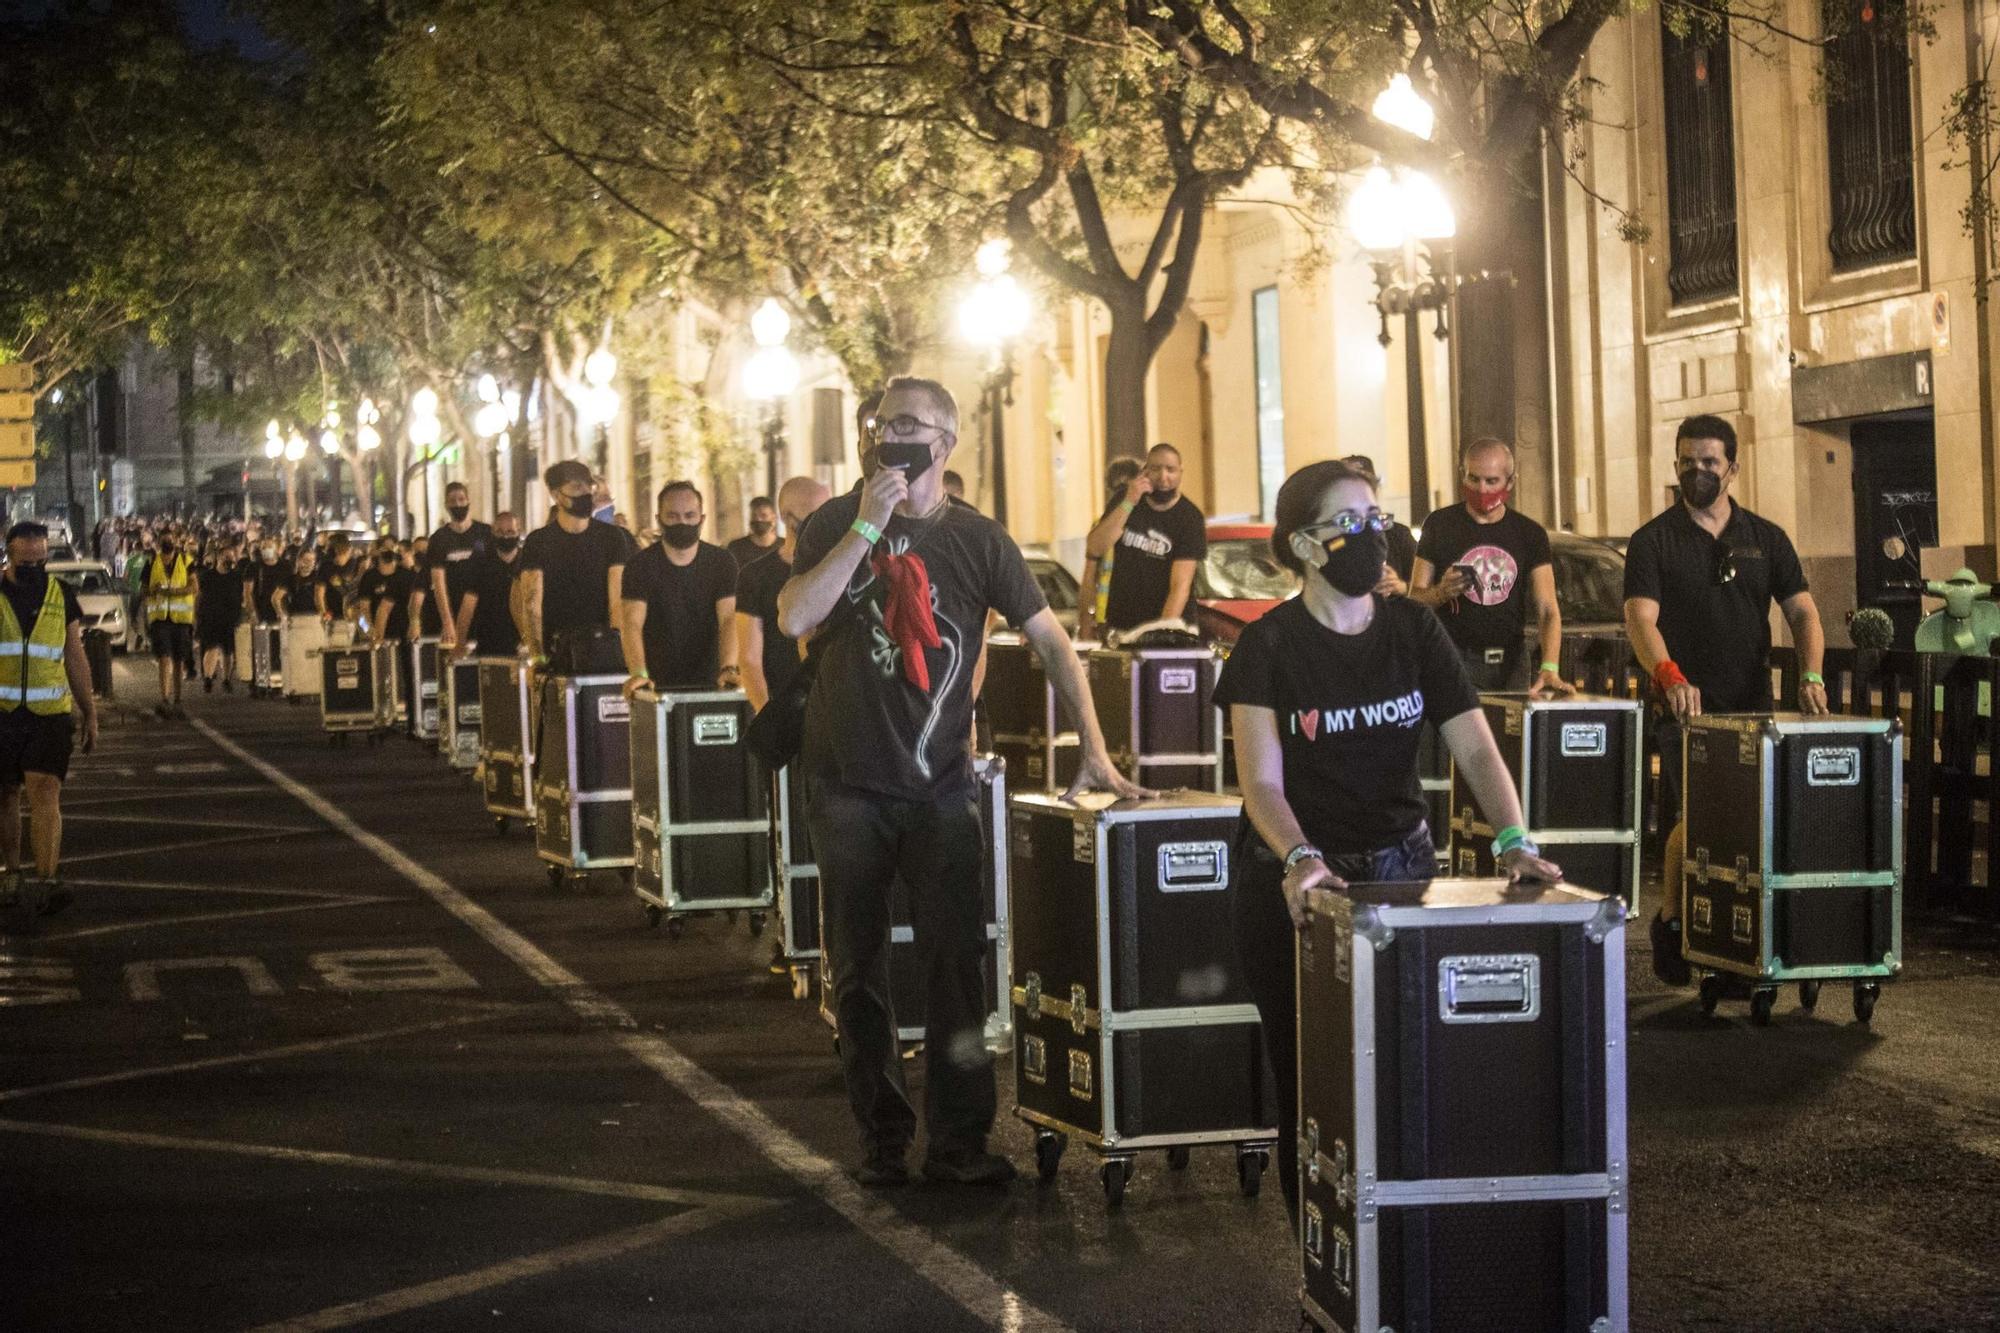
(1326, 695)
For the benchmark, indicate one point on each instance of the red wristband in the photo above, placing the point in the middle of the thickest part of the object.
(1666, 675)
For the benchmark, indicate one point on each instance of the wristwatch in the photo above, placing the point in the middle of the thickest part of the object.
(1305, 851)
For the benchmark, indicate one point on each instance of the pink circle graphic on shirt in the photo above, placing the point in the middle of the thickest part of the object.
(1494, 574)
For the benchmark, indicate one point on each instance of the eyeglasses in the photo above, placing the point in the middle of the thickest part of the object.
(1352, 524)
(904, 426)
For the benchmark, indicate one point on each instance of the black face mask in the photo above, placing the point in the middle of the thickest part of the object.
(458, 512)
(760, 528)
(506, 545)
(1166, 496)
(912, 457)
(1354, 564)
(680, 536)
(1700, 488)
(31, 571)
(579, 506)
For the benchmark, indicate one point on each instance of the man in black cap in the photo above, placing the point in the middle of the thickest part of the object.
(573, 568)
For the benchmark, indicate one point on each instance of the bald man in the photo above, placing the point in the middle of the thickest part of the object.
(769, 658)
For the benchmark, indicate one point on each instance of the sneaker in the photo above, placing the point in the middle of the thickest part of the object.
(1668, 965)
(57, 898)
(884, 1168)
(967, 1166)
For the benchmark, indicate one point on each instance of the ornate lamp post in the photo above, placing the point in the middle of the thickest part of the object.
(993, 315)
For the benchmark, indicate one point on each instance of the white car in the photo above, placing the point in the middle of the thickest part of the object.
(101, 596)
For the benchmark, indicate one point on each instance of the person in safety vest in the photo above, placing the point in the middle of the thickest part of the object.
(171, 584)
(44, 684)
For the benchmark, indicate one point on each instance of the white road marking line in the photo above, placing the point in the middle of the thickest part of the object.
(487, 1175)
(187, 886)
(978, 1291)
(150, 793)
(511, 1270)
(252, 1057)
(175, 821)
(163, 848)
(202, 918)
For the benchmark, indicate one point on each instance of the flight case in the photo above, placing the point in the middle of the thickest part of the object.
(1157, 709)
(357, 690)
(906, 978)
(701, 822)
(796, 875)
(267, 659)
(1133, 1029)
(425, 664)
(1462, 1156)
(1794, 865)
(508, 713)
(1577, 764)
(458, 713)
(583, 778)
(303, 638)
(1022, 710)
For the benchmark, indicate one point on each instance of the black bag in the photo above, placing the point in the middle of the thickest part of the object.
(587, 650)
(779, 728)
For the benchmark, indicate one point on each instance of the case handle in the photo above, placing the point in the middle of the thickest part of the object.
(1193, 867)
(1490, 988)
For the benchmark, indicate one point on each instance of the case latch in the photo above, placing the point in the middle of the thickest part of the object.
(1079, 1009)
(1309, 1149)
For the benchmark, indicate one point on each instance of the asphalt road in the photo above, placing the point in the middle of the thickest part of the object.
(315, 1048)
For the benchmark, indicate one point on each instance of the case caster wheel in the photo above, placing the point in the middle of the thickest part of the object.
(1250, 1164)
(1760, 1006)
(676, 927)
(1865, 995)
(1711, 993)
(801, 983)
(1178, 1159)
(653, 915)
(756, 925)
(500, 826)
(1114, 1173)
(1808, 995)
(1049, 1147)
(555, 879)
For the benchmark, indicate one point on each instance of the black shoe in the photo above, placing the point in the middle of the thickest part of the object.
(885, 1168)
(229, 684)
(56, 899)
(967, 1166)
(163, 711)
(208, 685)
(1668, 965)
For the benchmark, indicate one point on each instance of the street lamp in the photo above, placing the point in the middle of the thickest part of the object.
(993, 315)
(769, 376)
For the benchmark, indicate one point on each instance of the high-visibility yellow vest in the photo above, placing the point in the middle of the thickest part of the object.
(31, 665)
(169, 594)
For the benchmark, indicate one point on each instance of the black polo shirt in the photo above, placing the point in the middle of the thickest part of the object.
(1718, 633)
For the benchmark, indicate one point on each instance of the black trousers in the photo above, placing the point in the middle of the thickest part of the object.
(1265, 951)
(863, 841)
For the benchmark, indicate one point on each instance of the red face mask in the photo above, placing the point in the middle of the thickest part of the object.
(1483, 501)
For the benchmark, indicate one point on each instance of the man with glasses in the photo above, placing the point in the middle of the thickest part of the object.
(1154, 536)
(1482, 565)
(892, 584)
(1699, 583)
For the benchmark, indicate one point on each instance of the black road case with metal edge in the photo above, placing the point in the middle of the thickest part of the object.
(1794, 865)
(1578, 765)
(1025, 718)
(267, 659)
(701, 822)
(906, 977)
(1157, 709)
(796, 876)
(1133, 1029)
(583, 777)
(1462, 1156)
(458, 713)
(508, 712)
(357, 690)
(425, 669)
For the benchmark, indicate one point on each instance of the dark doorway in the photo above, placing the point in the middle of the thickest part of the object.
(1895, 515)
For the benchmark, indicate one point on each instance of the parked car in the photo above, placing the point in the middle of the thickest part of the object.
(99, 595)
(1058, 585)
(1239, 581)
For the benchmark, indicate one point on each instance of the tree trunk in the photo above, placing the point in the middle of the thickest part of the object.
(1128, 354)
(184, 418)
(364, 486)
(291, 496)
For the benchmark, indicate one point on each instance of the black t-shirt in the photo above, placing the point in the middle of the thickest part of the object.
(396, 587)
(757, 589)
(1719, 634)
(1402, 551)
(221, 596)
(452, 552)
(336, 579)
(265, 583)
(867, 724)
(683, 646)
(1493, 613)
(27, 604)
(576, 568)
(746, 552)
(1142, 561)
(1349, 709)
(491, 579)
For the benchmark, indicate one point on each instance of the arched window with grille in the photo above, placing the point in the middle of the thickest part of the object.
(1872, 210)
(1700, 156)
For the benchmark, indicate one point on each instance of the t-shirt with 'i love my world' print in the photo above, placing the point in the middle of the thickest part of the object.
(1349, 711)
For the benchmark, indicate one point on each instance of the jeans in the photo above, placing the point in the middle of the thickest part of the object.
(864, 841)
(1264, 950)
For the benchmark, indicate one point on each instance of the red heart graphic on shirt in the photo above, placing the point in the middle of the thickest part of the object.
(1309, 723)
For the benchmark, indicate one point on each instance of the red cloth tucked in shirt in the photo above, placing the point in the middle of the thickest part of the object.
(907, 614)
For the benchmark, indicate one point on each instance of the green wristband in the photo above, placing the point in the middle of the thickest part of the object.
(1553, 668)
(1812, 678)
(868, 531)
(1128, 505)
(1507, 839)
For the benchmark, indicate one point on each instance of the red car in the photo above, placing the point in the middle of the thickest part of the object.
(1239, 581)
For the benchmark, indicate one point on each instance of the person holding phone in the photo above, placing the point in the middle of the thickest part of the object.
(1483, 566)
